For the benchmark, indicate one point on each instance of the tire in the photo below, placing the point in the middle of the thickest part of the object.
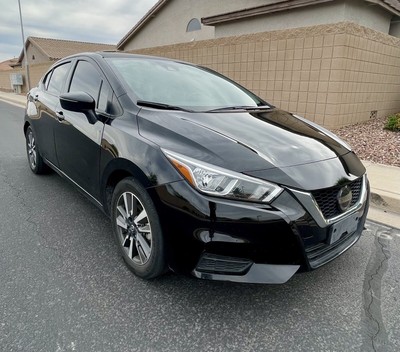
(35, 160)
(137, 229)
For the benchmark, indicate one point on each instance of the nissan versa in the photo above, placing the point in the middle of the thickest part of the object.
(197, 174)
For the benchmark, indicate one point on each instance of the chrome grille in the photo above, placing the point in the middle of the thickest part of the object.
(327, 198)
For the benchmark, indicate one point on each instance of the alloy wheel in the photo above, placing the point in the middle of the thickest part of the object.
(134, 229)
(32, 153)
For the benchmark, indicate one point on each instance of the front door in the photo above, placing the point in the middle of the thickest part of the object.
(46, 100)
(77, 141)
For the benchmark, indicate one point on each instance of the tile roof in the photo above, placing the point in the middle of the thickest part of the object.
(272, 7)
(56, 49)
(7, 65)
(284, 5)
(393, 3)
(390, 5)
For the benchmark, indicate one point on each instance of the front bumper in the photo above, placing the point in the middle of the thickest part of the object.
(219, 239)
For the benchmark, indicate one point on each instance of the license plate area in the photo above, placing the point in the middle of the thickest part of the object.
(343, 227)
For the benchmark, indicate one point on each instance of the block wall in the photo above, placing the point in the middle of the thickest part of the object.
(335, 74)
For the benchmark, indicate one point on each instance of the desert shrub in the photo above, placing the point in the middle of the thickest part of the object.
(393, 122)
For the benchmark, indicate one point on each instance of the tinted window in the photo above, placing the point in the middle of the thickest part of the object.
(87, 79)
(46, 80)
(58, 78)
(103, 98)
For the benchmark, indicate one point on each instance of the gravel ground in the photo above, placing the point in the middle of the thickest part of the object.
(371, 142)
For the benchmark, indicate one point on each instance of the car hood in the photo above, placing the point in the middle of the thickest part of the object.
(268, 144)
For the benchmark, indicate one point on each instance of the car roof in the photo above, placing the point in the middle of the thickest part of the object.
(99, 57)
(106, 54)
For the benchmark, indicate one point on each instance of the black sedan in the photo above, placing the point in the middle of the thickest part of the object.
(197, 174)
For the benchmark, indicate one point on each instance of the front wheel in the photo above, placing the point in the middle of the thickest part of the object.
(137, 229)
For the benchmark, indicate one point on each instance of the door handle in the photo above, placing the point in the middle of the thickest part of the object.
(60, 116)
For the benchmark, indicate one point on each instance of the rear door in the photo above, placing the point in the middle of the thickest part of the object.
(77, 141)
(46, 99)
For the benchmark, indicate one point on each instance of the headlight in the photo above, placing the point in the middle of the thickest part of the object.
(220, 182)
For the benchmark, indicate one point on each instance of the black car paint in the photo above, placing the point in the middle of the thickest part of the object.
(269, 144)
(281, 147)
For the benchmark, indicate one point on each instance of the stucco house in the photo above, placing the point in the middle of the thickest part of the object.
(41, 54)
(335, 62)
(179, 21)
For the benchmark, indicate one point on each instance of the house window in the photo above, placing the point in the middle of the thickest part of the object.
(193, 25)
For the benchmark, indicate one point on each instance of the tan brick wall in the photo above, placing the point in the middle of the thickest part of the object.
(5, 84)
(332, 74)
(35, 71)
(368, 72)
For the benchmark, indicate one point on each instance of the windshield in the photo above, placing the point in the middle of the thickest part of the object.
(180, 85)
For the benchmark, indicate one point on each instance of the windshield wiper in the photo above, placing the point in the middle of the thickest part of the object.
(244, 107)
(162, 106)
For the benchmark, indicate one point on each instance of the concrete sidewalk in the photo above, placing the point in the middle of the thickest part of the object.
(16, 99)
(384, 180)
(385, 193)
(385, 185)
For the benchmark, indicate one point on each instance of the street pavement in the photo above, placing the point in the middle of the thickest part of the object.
(64, 287)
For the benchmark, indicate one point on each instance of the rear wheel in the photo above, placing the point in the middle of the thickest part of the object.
(35, 160)
(137, 229)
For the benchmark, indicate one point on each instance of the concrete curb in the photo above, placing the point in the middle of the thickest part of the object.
(385, 186)
(15, 99)
(385, 202)
(383, 217)
(384, 211)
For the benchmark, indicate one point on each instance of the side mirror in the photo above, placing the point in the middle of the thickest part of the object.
(79, 102)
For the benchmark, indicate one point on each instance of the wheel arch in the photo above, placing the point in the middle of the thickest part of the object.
(115, 171)
(26, 125)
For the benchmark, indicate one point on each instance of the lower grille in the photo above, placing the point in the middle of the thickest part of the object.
(327, 198)
(322, 253)
(219, 264)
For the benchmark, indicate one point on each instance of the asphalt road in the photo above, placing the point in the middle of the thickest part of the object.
(64, 287)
